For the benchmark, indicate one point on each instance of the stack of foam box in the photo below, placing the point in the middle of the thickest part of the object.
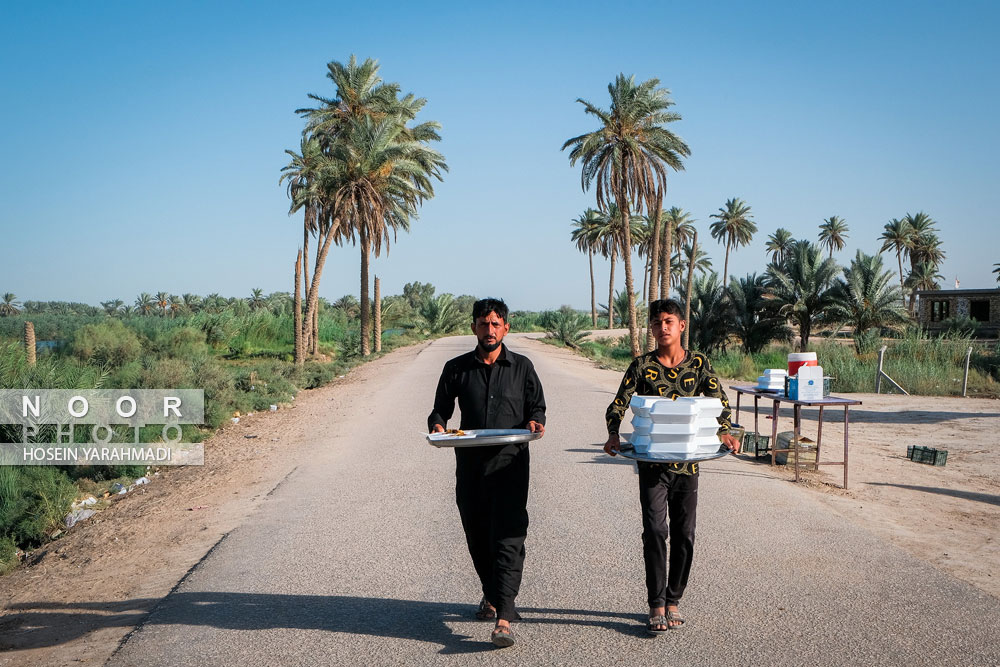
(687, 425)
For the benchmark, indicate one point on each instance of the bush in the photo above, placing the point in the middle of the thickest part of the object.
(34, 500)
(109, 343)
(568, 326)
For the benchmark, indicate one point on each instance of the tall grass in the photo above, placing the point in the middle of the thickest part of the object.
(921, 364)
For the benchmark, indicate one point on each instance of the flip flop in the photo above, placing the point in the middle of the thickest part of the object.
(486, 611)
(502, 637)
(651, 628)
(675, 617)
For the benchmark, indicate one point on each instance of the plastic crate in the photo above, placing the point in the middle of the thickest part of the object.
(756, 444)
(928, 455)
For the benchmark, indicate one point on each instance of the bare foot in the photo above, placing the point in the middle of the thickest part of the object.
(674, 619)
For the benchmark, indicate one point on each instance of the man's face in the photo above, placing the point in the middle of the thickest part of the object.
(667, 329)
(490, 330)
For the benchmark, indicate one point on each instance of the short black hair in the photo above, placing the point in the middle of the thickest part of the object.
(484, 307)
(668, 306)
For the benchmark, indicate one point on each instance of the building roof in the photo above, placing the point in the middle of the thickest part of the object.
(958, 292)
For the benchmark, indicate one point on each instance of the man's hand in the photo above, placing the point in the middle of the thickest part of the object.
(437, 428)
(535, 427)
(732, 443)
(613, 445)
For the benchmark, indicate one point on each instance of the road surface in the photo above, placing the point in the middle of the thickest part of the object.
(358, 558)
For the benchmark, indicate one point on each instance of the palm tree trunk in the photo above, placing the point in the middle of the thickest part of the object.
(312, 302)
(665, 268)
(593, 292)
(687, 300)
(365, 303)
(902, 284)
(645, 279)
(611, 288)
(305, 337)
(633, 333)
(804, 329)
(315, 329)
(297, 312)
(29, 342)
(725, 269)
(378, 316)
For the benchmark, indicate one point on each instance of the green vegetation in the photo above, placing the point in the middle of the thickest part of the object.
(240, 351)
(930, 366)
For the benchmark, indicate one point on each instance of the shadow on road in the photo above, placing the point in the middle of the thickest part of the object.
(33, 625)
(600, 457)
(987, 498)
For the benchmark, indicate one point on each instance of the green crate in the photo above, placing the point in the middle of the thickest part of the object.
(756, 444)
(930, 456)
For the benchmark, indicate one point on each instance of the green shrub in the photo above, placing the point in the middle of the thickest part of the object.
(8, 554)
(109, 343)
(34, 500)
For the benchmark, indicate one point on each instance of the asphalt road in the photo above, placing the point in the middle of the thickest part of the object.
(358, 558)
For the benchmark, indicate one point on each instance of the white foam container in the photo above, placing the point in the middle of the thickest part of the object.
(650, 444)
(698, 427)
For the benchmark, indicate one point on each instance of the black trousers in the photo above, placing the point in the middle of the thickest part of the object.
(664, 494)
(491, 490)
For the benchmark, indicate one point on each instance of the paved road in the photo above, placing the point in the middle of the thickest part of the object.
(358, 558)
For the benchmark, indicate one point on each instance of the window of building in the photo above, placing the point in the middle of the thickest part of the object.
(940, 310)
(980, 310)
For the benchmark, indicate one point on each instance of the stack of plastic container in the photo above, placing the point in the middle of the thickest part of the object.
(773, 379)
(686, 425)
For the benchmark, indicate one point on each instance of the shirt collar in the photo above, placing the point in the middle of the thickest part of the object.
(502, 359)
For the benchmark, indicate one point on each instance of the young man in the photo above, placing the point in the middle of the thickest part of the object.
(669, 489)
(495, 388)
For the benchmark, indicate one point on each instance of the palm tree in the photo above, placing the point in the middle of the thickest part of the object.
(175, 304)
(442, 315)
(192, 302)
(866, 300)
(681, 264)
(586, 235)
(257, 300)
(10, 305)
(996, 270)
(162, 302)
(681, 226)
(710, 314)
(622, 304)
(375, 170)
(144, 303)
(924, 277)
(923, 247)
(112, 306)
(895, 236)
(802, 286)
(832, 233)
(734, 227)
(628, 157)
(756, 319)
(348, 304)
(778, 244)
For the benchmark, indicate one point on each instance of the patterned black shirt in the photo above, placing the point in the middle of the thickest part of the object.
(648, 377)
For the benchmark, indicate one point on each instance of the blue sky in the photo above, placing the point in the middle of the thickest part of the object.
(142, 143)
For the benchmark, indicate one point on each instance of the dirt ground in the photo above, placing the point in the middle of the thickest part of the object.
(134, 552)
(948, 516)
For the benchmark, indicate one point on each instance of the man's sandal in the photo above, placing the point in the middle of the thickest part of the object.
(651, 626)
(486, 611)
(674, 617)
(502, 636)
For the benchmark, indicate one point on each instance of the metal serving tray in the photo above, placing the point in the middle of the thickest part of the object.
(628, 452)
(482, 437)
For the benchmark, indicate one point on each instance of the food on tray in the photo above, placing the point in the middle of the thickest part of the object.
(455, 431)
